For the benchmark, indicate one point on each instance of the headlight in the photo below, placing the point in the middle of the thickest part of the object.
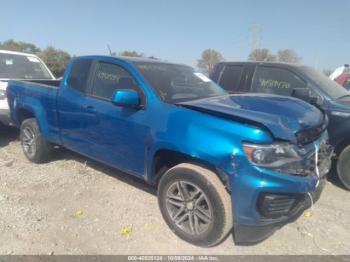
(2, 94)
(281, 157)
(273, 155)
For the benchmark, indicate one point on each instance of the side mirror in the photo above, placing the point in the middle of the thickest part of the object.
(303, 94)
(126, 98)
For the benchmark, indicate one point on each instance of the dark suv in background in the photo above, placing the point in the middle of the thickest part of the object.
(301, 82)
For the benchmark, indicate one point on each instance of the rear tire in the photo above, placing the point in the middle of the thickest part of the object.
(195, 204)
(343, 167)
(34, 146)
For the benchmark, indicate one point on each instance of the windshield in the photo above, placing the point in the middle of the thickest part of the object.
(330, 87)
(178, 83)
(22, 67)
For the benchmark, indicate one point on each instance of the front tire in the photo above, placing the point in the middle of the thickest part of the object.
(343, 167)
(34, 146)
(195, 204)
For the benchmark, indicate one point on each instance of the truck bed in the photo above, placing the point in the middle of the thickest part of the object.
(38, 98)
(47, 83)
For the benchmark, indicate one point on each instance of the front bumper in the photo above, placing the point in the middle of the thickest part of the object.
(5, 117)
(264, 200)
(250, 234)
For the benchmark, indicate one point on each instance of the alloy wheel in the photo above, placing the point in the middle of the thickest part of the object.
(188, 207)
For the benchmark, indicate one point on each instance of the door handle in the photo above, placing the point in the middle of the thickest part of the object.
(90, 109)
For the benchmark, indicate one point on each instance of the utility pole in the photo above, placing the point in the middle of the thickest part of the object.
(255, 31)
(109, 49)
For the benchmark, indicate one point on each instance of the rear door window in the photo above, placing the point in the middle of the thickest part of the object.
(273, 80)
(231, 78)
(79, 75)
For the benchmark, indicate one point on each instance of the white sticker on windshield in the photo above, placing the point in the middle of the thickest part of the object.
(202, 77)
(33, 59)
(9, 62)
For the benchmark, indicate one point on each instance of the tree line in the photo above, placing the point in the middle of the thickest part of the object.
(57, 59)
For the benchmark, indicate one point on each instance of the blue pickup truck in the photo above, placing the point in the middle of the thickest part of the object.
(222, 163)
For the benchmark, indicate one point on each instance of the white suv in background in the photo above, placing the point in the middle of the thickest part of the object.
(18, 66)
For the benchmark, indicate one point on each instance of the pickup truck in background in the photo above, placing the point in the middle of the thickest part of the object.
(248, 162)
(16, 65)
(297, 81)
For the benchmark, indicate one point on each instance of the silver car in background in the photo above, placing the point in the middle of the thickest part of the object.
(18, 66)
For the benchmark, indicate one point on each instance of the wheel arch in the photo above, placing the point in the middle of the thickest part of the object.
(26, 112)
(164, 159)
(23, 114)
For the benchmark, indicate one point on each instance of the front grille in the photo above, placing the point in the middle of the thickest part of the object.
(307, 136)
(325, 152)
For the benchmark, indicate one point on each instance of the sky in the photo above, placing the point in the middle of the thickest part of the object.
(179, 30)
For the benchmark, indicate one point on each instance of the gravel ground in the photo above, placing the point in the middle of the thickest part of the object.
(73, 205)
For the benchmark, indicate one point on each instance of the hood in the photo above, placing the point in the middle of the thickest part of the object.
(283, 116)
